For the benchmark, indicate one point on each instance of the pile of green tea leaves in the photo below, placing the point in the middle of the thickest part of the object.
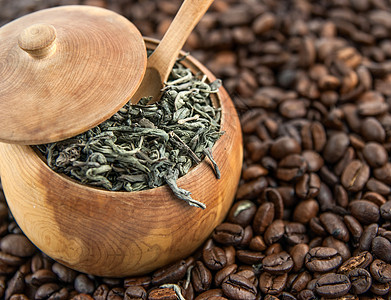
(144, 146)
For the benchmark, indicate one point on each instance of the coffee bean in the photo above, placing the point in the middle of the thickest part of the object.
(332, 285)
(295, 233)
(322, 259)
(305, 211)
(376, 198)
(17, 245)
(313, 136)
(251, 189)
(364, 211)
(249, 257)
(272, 195)
(214, 257)
(223, 273)
(383, 173)
(230, 253)
(360, 279)
(293, 108)
(228, 234)
(287, 296)
(335, 147)
(144, 281)
(367, 236)
(46, 290)
(298, 253)
(355, 176)
(162, 293)
(37, 262)
(264, 23)
(253, 172)
(298, 282)
(19, 297)
(173, 272)
(380, 271)
(341, 247)
(201, 277)
(238, 287)
(116, 293)
(375, 154)
(210, 294)
(308, 186)
(381, 248)
(274, 232)
(278, 263)
(9, 259)
(385, 210)
(64, 273)
(355, 229)
(112, 281)
(249, 273)
(62, 294)
(102, 291)
(372, 130)
(43, 276)
(264, 216)
(273, 248)
(291, 167)
(247, 236)
(16, 285)
(325, 198)
(25, 268)
(346, 159)
(288, 195)
(314, 160)
(334, 226)
(83, 284)
(306, 295)
(317, 227)
(272, 284)
(377, 186)
(352, 117)
(242, 212)
(284, 146)
(257, 244)
(341, 195)
(84, 297)
(379, 289)
(384, 233)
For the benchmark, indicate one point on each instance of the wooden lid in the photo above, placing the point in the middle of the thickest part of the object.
(65, 70)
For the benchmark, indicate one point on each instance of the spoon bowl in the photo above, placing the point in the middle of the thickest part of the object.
(161, 61)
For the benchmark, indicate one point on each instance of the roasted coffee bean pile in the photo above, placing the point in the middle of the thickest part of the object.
(311, 81)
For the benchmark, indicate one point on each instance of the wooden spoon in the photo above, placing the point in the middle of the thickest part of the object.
(161, 61)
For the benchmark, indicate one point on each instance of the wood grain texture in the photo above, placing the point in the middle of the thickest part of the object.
(97, 64)
(121, 233)
(161, 61)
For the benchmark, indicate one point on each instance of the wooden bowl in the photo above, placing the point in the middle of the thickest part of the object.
(118, 234)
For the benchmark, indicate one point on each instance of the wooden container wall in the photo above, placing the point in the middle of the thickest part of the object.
(118, 234)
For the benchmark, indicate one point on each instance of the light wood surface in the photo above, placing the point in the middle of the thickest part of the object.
(118, 233)
(161, 61)
(64, 70)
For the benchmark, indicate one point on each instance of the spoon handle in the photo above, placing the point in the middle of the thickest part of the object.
(188, 16)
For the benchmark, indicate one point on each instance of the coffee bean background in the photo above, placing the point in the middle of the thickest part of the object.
(311, 81)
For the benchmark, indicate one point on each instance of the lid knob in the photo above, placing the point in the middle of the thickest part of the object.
(38, 40)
